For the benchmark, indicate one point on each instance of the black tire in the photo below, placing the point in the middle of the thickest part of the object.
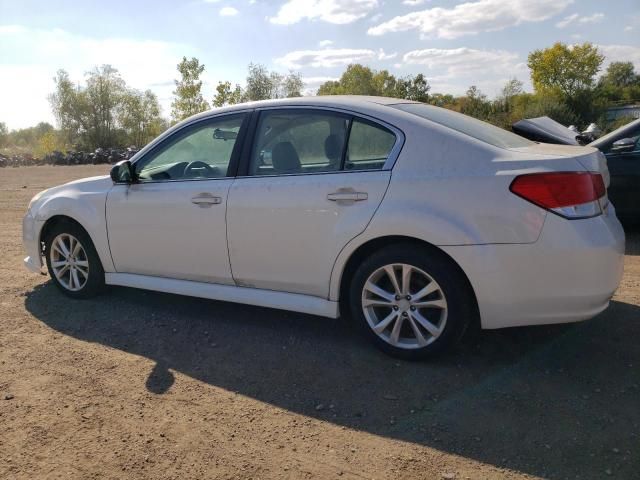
(454, 286)
(94, 284)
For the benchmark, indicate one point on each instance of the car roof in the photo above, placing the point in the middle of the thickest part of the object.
(347, 102)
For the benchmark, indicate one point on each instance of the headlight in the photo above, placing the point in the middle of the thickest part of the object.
(35, 198)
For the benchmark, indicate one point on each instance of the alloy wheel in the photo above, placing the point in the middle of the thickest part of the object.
(69, 262)
(404, 306)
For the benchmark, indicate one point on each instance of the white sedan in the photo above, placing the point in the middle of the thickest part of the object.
(415, 220)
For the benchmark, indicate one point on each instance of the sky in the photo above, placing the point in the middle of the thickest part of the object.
(454, 43)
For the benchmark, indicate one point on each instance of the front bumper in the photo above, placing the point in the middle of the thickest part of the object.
(568, 275)
(31, 228)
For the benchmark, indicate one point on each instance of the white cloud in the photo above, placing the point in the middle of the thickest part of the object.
(325, 43)
(453, 70)
(462, 60)
(472, 17)
(228, 12)
(628, 28)
(331, 11)
(26, 85)
(327, 58)
(581, 19)
(386, 56)
(620, 53)
(413, 3)
(567, 20)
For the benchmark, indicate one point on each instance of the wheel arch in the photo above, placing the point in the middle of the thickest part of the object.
(371, 246)
(55, 220)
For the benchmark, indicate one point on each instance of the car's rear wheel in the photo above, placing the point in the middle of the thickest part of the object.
(72, 261)
(411, 302)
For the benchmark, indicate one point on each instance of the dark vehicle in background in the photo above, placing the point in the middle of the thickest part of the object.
(621, 147)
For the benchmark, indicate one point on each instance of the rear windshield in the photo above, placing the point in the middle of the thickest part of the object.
(475, 128)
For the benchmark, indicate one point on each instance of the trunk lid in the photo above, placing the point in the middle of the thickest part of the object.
(589, 158)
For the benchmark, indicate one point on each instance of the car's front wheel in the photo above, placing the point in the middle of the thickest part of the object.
(411, 302)
(72, 261)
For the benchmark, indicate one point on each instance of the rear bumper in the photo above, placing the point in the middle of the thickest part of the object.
(568, 275)
(31, 241)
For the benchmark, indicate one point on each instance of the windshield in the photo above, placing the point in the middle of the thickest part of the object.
(478, 129)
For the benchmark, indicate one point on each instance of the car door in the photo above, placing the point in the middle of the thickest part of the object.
(171, 222)
(311, 182)
(624, 190)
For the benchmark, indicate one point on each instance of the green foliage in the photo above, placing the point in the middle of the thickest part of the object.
(620, 83)
(565, 69)
(103, 96)
(226, 96)
(362, 80)
(188, 93)
(263, 85)
(48, 143)
(139, 117)
(259, 83)
(567, 75)
(4, 134)
(621, 74)
(291, 85)
(104, 113)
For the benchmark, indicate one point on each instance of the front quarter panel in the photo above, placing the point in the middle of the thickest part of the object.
(83, 201)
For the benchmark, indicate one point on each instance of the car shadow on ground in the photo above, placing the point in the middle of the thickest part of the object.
(535, 400)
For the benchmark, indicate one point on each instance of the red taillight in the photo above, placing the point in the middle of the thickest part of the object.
(559, 189)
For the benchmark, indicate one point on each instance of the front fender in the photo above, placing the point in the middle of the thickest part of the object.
(84, 203)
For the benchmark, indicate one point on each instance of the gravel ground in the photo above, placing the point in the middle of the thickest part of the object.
(136, 384)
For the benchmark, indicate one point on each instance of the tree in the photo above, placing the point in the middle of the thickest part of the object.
(621, 74)
(226, 96)
(292, 85)
(188, 93)
(565, 69)
(413, 88)
(104, 94)
(48, 143)
(263, 85)
(475, 104)
(259, 83)
(361, 80)
(620, 83)
(69, 107)
(567, 75)
(4, 134)
(140, 118)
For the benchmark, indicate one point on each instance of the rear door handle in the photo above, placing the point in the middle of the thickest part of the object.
(205, 200)
(347, 196)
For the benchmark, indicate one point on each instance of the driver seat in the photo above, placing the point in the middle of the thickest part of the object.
(285, 158)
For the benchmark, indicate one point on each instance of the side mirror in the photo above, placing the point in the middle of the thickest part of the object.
(122, 172)
(623, 145)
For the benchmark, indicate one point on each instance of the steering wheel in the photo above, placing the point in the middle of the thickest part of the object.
(198, 168)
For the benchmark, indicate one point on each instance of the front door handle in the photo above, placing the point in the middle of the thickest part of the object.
(205, 200)
(347, 196)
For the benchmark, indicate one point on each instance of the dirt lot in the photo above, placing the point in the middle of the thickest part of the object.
(136, 384)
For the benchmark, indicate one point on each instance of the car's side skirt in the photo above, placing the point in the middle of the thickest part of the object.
(228, 293)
